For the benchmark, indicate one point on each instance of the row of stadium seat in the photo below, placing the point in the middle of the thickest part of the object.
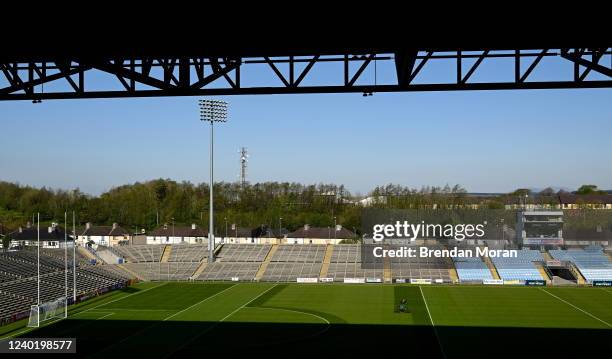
(592, 263)
(188, 252)
(471, 269)
(229, 270)
(345, 262)
(19, 288)
(520, 268)
(139, 253)
(300, 253)
(163, 271)
(244, 252)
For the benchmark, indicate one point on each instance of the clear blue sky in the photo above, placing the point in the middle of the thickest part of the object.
(493, 141)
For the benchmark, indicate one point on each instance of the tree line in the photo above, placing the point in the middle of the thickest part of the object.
(153, 203)
(146, 205)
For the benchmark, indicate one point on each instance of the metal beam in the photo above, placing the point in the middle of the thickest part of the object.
(404, 64)
(172, 76)
(317, 89)
(576, 58)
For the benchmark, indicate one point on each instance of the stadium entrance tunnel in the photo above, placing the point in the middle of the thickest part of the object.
(563, 273)
(125, 338)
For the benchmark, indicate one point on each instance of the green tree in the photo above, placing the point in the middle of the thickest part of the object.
(588, 189)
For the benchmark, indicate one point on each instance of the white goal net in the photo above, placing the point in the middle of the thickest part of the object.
(49, 310)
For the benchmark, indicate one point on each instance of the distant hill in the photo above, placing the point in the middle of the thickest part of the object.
(484, 194)
(555, 188)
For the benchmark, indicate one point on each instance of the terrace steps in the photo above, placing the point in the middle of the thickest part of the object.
(543, 272)
(453, 275)
(491, 266)
(326, 260)
(200, 268)
(264, 265)
(166, 253)
(217, 249)
(579, 278)
(86, 253)
(131, 272)
(547, 256)
(387, 272)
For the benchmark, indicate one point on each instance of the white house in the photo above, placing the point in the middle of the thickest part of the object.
(50, 237)
(259, 235)
(103, 235)
(319, 235)
(170, 234)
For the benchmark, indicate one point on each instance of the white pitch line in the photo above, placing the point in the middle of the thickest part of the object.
(28, 329)
(81, 311)
(118, 299)
(432, 322)
(202, 301)
(217, 323)
(295, 311)
(136, 310)
(580, 309)
(249, 302)
(165, 319)
(104, 316)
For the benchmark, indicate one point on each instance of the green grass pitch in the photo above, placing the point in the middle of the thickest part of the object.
(158, 319)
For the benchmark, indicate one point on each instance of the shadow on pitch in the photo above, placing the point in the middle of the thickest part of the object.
(151, 339)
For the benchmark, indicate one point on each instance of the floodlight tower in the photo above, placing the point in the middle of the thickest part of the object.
(212, 111)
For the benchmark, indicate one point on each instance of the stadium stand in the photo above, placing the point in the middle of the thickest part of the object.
(22, 264)
(140, 253)
(300, 253)
(592, 263)
(346, 263)
(243, 252)
(244, 271)
(115, 270)
(240, 261)
(292, 261)
(421, 268)
(266, 262)
(340, 271)
(346, 253)
(58, 254)
(163, 271)
(18, 286)
(520, 268)
(471, 269)
(289, 272)
(188, 252)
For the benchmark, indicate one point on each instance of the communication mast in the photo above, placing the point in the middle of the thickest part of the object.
(243, 166)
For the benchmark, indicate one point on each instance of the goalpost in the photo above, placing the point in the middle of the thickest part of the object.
(57, 308)
(47, 311)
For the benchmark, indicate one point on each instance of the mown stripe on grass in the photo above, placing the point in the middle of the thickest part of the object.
(432, 323)
(578, 308)
(248, 303)
(121, 298)
(261, 300)
(81, 308)
(416, 306)
(329, 318)
(198, 303)
(152, 327)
